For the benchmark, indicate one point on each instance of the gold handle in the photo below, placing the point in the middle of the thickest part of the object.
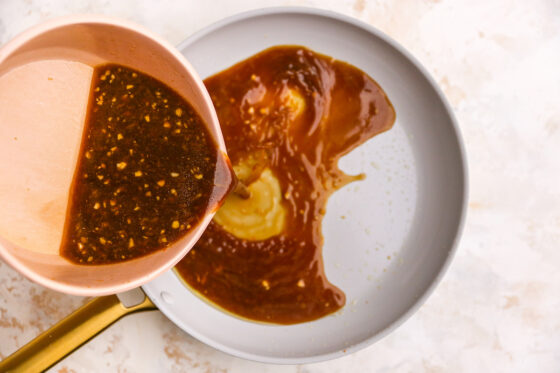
(70, 333)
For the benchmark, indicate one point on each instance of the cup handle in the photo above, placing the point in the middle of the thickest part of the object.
(71, 332)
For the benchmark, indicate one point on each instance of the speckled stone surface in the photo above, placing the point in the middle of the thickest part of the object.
(498, 307)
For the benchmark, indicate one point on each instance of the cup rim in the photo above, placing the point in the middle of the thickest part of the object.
(100, 289)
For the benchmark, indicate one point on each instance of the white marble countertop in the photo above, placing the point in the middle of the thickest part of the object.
(498, 307)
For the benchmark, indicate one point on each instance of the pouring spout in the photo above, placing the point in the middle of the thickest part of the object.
(225, 182)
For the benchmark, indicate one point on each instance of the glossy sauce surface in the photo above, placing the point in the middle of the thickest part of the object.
(287, 115)
(145, 171)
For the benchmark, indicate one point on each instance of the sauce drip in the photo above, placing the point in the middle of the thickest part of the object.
(145, 171)
(287, 115)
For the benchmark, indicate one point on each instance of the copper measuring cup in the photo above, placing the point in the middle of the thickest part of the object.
(45, 76)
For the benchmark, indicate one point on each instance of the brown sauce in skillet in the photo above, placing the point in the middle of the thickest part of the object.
(287, 115)
(145, 170)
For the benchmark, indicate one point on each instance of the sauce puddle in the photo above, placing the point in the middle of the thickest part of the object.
(287, 115)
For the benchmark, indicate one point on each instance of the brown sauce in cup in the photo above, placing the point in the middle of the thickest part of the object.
(287, 115)
(145, 172)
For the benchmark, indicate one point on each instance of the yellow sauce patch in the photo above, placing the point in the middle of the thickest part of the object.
(258, 217)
